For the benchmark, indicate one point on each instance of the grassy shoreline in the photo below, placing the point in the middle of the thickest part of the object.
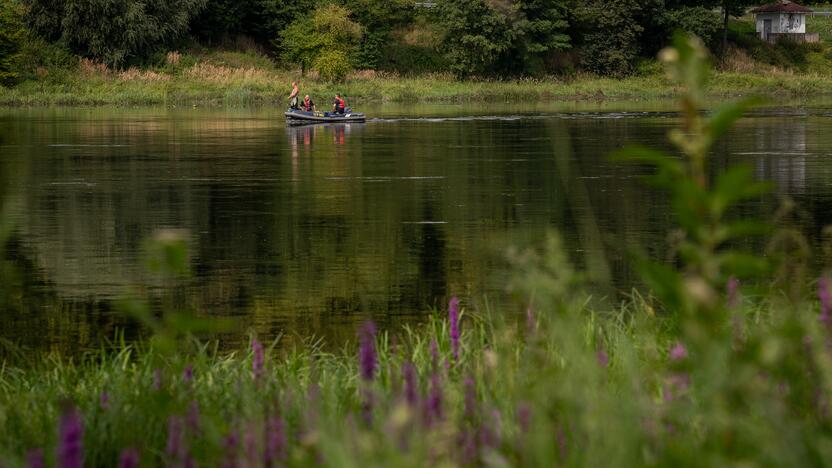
(569, 387)
(210, 85)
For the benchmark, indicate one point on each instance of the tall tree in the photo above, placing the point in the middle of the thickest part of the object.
(115, 32)
(476, 35)
(731, 8)
(12, 32)
(539, 27)
(325, 41)
(609, 34)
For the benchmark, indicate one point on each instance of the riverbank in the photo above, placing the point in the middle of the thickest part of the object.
(218, 84)
(571, 387)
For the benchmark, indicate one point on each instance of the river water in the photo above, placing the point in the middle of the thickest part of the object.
(309, 231)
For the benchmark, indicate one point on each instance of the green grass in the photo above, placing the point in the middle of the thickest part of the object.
(755, 395)
(238, 79)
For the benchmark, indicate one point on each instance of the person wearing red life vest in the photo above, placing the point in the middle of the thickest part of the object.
(340, 105)
(307, 104)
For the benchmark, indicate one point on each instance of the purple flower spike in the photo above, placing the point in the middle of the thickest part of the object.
(433, 403)
(129, 458)
(678, 352)
(410, 384)
(34, 459)
(368, 360)
(453, 315)
(104, 400)
(70, 448)
(733, 292)
(257, 359)
(231, 446)
(71, 435)
(603, 358)
(825, 297)
(175, 448)
(524, 417)
(470, 398)
(434, 354)
(490, 433)
(276, 441)
(188, 374)
(251, 447)
(193, 418)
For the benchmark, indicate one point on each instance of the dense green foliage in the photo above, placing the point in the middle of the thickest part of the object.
(115, 32)
(483, 38)
(325, 41)
(12, 32)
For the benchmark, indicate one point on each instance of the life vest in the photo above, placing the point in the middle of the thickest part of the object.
(340, 104)
(307, 106)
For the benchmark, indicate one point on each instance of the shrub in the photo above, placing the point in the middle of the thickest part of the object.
(329, 36)
(333, 65)
(116, 32)
(12, 35)
(610, 39)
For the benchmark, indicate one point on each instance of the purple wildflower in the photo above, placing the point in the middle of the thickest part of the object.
(257, 359)
(276, 440)
(70, 448)
(434, 354)
(676, 385)
(367, 405)
(433, 403)
(524, 417)
(175, 447)
(231, 446)
(251, 446)
(825, 297)
(468, 442)
(104, 400)
(678, 352)
(129, 458)
(188, 374)
(34, 459)
(603, 358)
(490, 434)
(410, 384)
(193, 417)
(733, 292)
(368, 360)
(453, 314)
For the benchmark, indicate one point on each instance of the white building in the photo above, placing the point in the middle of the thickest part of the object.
(783, 20)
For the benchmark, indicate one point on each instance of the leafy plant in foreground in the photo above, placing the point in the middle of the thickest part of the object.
(700, 205)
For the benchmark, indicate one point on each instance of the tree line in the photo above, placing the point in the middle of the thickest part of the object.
(466, 37)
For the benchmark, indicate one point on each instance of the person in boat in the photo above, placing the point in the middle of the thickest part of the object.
(293, 97)
(307, 104)
(339, 106)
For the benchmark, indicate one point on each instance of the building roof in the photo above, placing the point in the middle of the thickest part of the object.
(782, 6)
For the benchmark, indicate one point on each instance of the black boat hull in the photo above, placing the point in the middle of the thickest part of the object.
(297, 117)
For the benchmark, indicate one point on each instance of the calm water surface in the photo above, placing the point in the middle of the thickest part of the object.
(311, 230)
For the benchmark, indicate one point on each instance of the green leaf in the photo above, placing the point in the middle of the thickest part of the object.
(725, 115)
(742, 264)
(735, 184)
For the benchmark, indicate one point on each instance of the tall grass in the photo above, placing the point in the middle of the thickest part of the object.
(574, 388)
(237, 79)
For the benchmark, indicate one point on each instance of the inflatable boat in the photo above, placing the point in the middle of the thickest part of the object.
(299, 117)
